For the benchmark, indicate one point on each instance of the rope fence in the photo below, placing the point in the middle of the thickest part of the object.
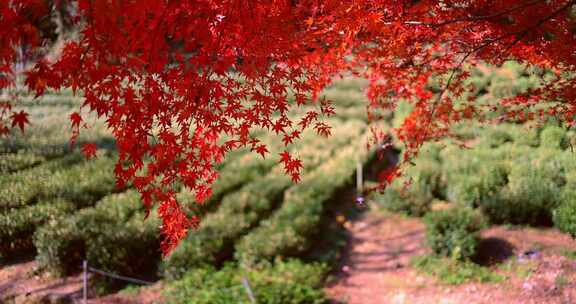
(87, 269)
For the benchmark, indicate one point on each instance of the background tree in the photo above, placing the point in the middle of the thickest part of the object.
(181, 83)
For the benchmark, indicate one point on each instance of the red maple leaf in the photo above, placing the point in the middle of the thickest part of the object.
(89, 150)
(20, 119)
(262, 150)
(76, 119)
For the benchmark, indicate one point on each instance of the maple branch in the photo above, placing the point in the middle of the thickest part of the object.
(470, 18)
(525, 32)
(482, 46)
(494, 15)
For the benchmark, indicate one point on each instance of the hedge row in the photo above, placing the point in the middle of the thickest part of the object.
(509, 183)
(290, 282)
(18, 226)
(454, 232)
(238, 213)
(232, 176)
(51, 197)
(70, 178)
(112, 236)
(242, 210)
(288, 231)
(62, 245)
(13, 162)
(426, 183)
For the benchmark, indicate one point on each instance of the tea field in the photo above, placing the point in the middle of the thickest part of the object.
(58, 208)
(478, 205)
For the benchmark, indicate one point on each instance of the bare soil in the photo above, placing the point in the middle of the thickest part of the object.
(21, 283)
(377, 266)
(377, 269)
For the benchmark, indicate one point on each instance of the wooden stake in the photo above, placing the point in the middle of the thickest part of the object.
(359, 182)
(85, 282)
(248, 289)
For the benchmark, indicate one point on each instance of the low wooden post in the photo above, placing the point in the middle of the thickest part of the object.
(248, 289)
(359, 181)
(85, 282)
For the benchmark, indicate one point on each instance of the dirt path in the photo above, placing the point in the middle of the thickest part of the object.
(377, 268)
(20, 283)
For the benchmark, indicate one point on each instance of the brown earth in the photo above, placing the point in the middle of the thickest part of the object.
(377, 268)
(22, 284)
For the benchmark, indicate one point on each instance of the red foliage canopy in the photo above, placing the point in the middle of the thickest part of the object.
(181, 83)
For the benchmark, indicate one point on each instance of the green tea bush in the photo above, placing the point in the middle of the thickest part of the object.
(57, 195)
(19, 188)
(416, 199)
(469, 189)
(239, 212)
(553, 137)
(453, 272)
(289, 230)
(479, 81)
(528, 198)
(495, 137)
(233, 175)
(564, 216)
(454, 232)
(345, 98)
(524, 135)
(512, 79)
(82, 183)
(13, 162)
(290, 282)
(112, 236)
(18, 226)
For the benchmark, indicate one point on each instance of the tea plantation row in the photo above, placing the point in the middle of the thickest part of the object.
(64, 209)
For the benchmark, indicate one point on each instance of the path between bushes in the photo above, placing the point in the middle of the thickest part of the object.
(377, 266)
(377, 269)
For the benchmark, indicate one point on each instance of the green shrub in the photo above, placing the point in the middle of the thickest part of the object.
(528, 198)
(18, 226)
(564, 216)
(495, 137)
(112, 236)
(289, 230)
(239, 212)
(400, 200)
(426, 184)
(453, 272)
(454, 232)
(479, 81)
(82, 183)
(469, 189)
(232, 176)
(524, 136)
(19, 188)
(50, 196)
(18, 161)
(290, 282)
(553, 137)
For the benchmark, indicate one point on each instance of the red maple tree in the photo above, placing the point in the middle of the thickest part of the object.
(181, 83)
